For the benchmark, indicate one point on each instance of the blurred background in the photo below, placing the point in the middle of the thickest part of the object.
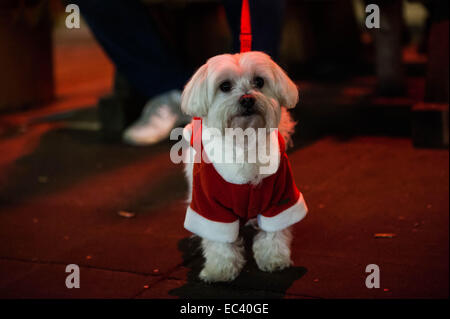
(371, 152)
(48, 66)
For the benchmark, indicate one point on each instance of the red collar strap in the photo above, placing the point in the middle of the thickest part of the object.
(196, 138)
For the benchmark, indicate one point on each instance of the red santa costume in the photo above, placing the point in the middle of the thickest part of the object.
(218, 206)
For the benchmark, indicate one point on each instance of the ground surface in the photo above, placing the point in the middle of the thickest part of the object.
(61, 188)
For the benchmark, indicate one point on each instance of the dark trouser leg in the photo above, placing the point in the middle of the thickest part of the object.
(127, 34)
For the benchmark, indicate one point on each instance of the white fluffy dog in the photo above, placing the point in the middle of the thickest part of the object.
(241, 91)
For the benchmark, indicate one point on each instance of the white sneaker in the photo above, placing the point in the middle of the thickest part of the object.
(159, 116)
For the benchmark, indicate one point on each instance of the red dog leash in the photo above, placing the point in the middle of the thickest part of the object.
(245, 38)
(246, 28)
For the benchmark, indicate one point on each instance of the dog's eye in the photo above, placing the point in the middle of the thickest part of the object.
(259, 82)
(225, 86)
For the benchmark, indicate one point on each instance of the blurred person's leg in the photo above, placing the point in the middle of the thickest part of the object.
(388, 48)
(266, 21)
(129, 38)
(127, 34)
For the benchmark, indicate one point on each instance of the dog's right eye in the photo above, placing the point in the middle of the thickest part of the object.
(225, 86)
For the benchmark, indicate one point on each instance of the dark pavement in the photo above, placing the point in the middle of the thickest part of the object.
(62, 188)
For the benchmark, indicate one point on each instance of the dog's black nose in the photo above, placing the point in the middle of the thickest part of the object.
(247, 101)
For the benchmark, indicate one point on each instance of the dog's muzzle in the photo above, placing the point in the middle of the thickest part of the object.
(247, 102)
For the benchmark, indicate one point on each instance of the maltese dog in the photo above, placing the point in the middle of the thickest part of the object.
(239, 106)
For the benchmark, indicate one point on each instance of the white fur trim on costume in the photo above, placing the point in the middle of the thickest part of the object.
(209, 229)
(288, 217)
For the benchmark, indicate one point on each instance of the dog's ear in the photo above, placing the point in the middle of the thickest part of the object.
(194, 99)
(285, 90)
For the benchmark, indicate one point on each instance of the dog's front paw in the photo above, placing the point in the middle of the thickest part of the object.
(225, 272)
(272, 250)
(223, 261)
(273, 261)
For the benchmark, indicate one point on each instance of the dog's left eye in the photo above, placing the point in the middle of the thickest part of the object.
(259, 82)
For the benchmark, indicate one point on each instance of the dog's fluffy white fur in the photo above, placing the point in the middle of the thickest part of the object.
(203, 97)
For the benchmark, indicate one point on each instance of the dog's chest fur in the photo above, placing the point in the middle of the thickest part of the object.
(246, 172)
